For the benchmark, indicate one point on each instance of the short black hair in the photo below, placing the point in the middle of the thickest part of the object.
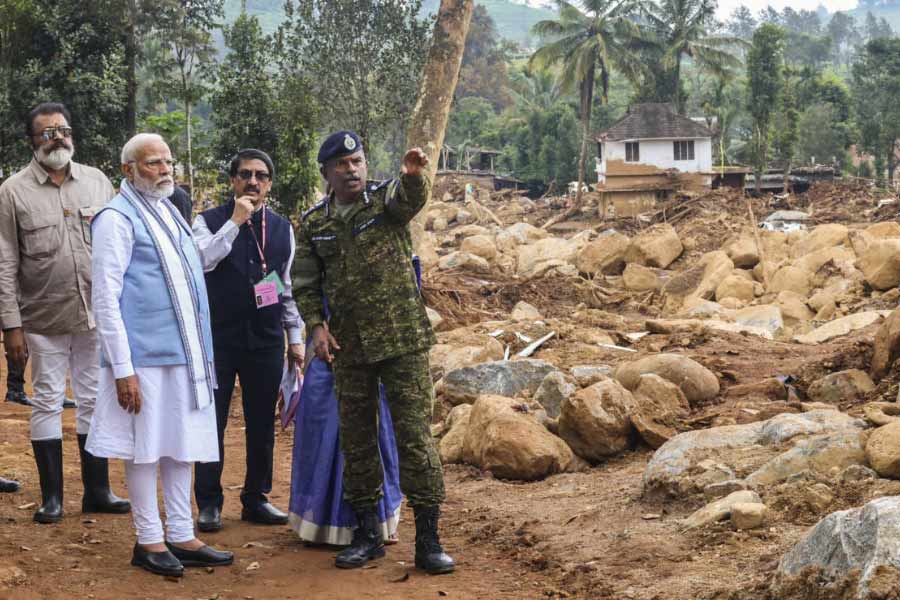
(45, 108)
(250, 154)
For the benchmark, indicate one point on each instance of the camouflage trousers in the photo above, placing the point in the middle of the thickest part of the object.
(410, 396)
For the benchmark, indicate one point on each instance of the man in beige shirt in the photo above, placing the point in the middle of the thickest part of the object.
(45, 300)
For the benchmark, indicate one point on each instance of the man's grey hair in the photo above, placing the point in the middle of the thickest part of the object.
(132, 147)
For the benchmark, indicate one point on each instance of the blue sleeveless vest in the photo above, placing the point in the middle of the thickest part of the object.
(147, 309)
(237, 323)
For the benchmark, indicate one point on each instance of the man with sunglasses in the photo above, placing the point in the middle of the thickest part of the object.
(45, 300)
(247, 252)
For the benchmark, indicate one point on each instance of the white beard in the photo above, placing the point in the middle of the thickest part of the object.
(150, 190)
(55, 160)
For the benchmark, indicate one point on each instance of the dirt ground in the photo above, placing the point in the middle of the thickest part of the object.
(87, 556)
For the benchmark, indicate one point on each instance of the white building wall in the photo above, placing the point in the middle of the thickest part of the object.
(660, 154)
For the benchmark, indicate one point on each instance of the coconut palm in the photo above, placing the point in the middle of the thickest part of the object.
(682, 29)
(588, 39)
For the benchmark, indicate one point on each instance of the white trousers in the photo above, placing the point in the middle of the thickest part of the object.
(52, 356)
(176, 483)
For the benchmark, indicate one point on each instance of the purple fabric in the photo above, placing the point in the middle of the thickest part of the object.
(316, 486)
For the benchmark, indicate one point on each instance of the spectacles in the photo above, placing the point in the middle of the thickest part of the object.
(50, 133)
(156, 163)
(247, 174)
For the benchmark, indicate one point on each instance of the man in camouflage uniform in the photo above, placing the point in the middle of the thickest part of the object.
(354, 246)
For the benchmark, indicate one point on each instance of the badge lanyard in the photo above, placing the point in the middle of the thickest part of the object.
(260, 249)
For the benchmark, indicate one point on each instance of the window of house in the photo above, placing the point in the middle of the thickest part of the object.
(632, 152)
(684, 150)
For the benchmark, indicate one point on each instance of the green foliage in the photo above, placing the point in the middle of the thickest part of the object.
(363, 59)
(483, 72)
(765, 76)
(876, 87)
(822, 135)
(244, 96)
(297, 144)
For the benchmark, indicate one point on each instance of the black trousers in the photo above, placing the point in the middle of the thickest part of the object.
(260, 374)
(15, 378)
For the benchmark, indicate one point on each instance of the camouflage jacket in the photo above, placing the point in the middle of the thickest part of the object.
(362, 262)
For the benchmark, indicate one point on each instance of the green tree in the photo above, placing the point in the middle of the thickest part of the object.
(844, 36)
(17, 28)
(765, 65)
(587, 42)
(185, 27)
(742, 23)
(682, 29)
(362, 58)
(483, 72)
(243, 112)
(876, 87)
(786, 132)
(296, 145)
(822, 136)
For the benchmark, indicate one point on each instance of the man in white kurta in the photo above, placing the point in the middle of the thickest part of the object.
(154, 407)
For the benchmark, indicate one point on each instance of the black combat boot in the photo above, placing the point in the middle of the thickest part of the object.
(49, 458)
(367, 542)
(97, 497)
(430, 556)
(8, 486)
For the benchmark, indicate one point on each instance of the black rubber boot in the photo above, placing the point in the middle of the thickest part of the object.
(367, 543)
(8, 486)
(430, 556)
(49, 458)
(97, 497)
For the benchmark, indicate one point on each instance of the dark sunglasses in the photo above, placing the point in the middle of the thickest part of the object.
(246, 174)
(50, 133)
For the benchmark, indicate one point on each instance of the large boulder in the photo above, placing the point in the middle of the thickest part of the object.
(793, 308)
(883, 450)
(480, 245)
(605, 255)
(743, 252)
(511, 444)
(887, 345)
(838, 255)
(735, 286)
(448, 357)
(699, 282)
(452, 444)
(848, 554)
(659, 407)
(657, 246)
(851, 385)
(535, 259)
(697, 382)
(464, 261)
(822, 455)
(823, 236)
(638, 278)
(880, 264)
(791, 278)
(883, 230)
(673, 468)
(525, 233)
(767, 317)
(554, 389)
(595, 421)
(501, 378)
(839, 327)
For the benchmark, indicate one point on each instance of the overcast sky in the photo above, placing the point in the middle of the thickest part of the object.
(727, 6)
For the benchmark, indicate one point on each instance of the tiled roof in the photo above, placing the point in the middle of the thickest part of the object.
(654, 121)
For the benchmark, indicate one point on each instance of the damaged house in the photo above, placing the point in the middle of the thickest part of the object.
(649, 154)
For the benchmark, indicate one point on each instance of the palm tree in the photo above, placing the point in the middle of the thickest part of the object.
(586, 42)
(682, 30)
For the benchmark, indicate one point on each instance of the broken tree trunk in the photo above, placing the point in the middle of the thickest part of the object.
(439, 77)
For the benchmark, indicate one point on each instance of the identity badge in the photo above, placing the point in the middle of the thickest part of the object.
(266, 294)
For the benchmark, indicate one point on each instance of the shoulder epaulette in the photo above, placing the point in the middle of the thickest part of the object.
(374, 187)
(317, 206)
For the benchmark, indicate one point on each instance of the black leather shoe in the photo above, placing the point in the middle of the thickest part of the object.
(430, 556)
(367, 543)
(204, 557)
(98, 498)
(264, 514)
(8, 486)
(18, 396)
(160, 563)
(48, 455)
(209, 519)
